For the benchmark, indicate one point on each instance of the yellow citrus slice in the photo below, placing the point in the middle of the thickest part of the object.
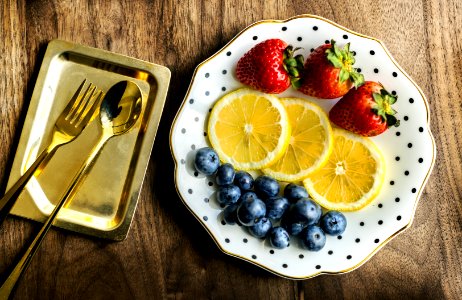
(353, 175)
(310, 142)
(249, 129)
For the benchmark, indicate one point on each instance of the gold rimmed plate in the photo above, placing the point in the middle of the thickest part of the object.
(106, 201)
(409, 151)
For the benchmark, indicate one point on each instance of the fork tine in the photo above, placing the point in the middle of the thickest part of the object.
(90, 108)
(74, 100)
(82, 103)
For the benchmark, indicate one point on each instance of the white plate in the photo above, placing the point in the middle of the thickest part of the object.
(409, 151)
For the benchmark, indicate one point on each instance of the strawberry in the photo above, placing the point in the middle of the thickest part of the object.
(366, 111)
(329, 72)
(270, 67)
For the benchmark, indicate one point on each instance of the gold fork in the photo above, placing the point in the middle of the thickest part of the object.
(77, 114)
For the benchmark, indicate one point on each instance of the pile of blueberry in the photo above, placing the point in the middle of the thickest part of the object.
(257, 205)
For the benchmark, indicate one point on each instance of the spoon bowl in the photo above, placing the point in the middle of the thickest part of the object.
(120, 108)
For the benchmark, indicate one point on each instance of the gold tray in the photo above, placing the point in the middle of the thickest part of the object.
(106, 201)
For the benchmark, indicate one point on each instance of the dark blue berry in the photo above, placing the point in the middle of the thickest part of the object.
(225, 174)
(294, 192)
(333, 222)
(279, 238)
(266, 187)
(276, 207)
(260, 228)
(250, 211)
(248, 195)
(206, 161)
(243, 180)
(313, 238)
(228, 194)
(306, 211)
(230, 214)
(292, 227)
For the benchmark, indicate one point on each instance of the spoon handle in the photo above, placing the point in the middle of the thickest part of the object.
(9, 199)
(10, 282)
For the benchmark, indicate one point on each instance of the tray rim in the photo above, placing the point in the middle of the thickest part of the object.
(418, 194)
(161, 75)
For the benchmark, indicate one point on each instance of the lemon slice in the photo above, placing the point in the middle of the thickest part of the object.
(249, 129)
(353, 175)
(310, 142)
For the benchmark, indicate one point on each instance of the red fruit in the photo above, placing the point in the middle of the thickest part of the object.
(366, 111)
(329, 72)
(270, 67)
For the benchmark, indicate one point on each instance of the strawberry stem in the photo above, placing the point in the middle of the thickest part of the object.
(382, 107)
(293, 65)
(344, 60)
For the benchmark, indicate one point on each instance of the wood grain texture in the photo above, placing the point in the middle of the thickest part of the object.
(167, 253)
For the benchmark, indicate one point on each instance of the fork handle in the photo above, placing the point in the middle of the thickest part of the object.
(10, 282)
(9, 199)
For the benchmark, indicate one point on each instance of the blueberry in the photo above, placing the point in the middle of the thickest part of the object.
(225, 174)
(260, 228)
(266, 187)
(228, 194)
(230, 214)
(313, 238)
(243, 180)
(248, 195)
(279, 238)
(276, 207)
(291, 226)
(294, 192)
(333, 223)
(250, 211)
(206, 161)
(295, 228)
(306, 211)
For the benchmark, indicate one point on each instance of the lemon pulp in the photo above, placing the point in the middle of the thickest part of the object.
(352, 176)
(249, 129)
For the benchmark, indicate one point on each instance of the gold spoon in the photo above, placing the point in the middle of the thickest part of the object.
(119, 111)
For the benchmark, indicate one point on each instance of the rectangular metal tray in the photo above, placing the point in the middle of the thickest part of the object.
(106, 201)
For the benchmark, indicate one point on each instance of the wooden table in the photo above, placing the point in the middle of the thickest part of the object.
(167, 252)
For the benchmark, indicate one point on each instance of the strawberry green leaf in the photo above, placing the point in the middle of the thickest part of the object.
(392, 121)
(382, 107)
(343, 59)
(357, 78)
(344, 75)
(293, 65)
